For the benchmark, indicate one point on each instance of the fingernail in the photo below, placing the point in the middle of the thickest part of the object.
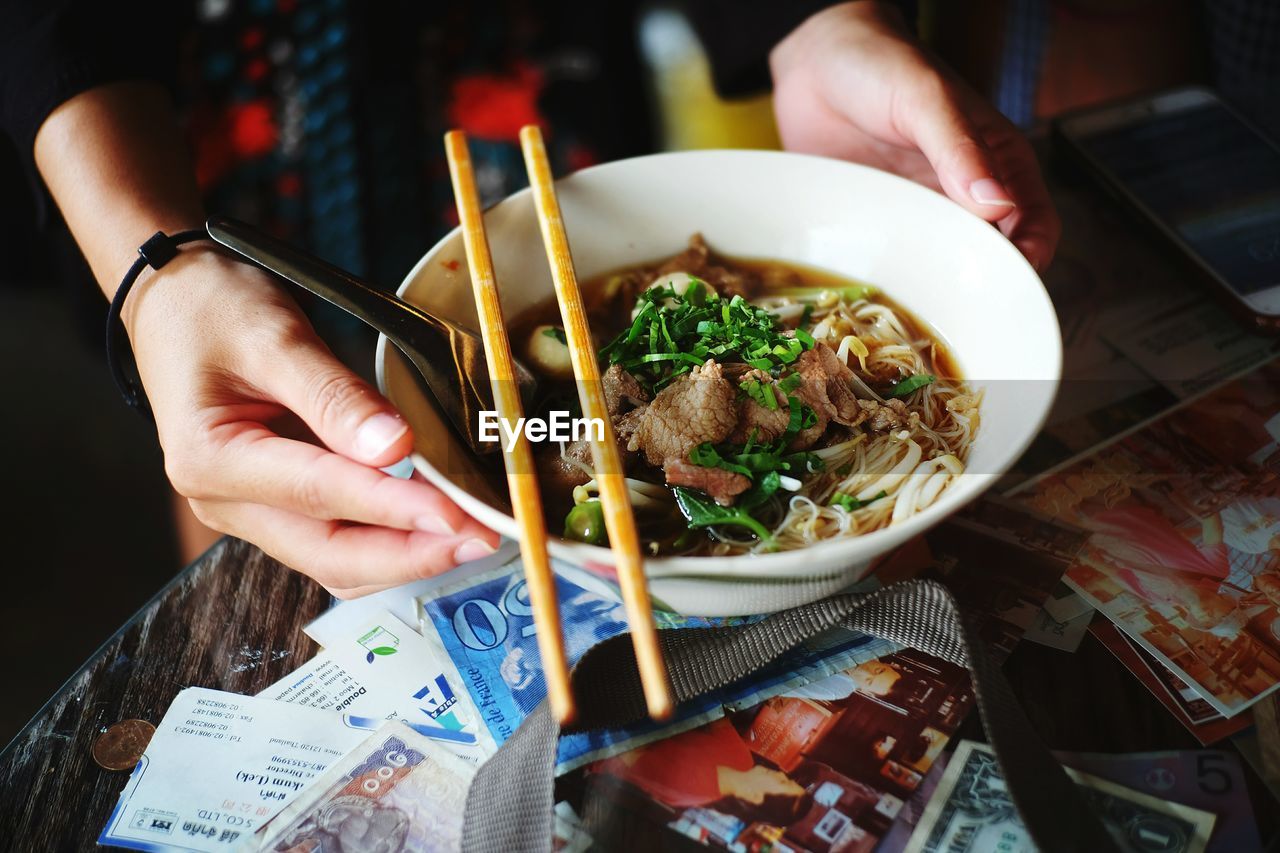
(377, 433)
(434, 524)
(989, 191)
(472, 549)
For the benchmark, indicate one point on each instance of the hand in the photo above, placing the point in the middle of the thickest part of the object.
(850, 82)
(271, 439)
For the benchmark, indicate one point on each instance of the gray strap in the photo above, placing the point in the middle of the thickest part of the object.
(509, 806)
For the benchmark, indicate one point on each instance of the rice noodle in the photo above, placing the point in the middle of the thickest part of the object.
(644, 495)
(922, 486)
(889, 477)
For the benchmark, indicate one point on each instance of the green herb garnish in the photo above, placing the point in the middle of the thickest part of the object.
(704, 512)
(761, 392)
(760, 492)
(672, 333)
(708, 457)
(850, 503)
(557, 333)
(790, 382)
(904, 387)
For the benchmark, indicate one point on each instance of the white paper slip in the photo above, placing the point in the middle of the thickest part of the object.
(376, 669)
(1064, 604)
(1065, 636)
(1190, 347)
(219, 766)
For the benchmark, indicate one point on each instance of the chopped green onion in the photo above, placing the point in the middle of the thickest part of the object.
(708, 457)
(790, 382)
(904, 387)
(557, 333)
(761, 392)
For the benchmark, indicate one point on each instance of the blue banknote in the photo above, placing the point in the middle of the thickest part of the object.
(485, 624)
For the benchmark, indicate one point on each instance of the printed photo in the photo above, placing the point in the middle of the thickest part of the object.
(827, 768)
(1184, 545)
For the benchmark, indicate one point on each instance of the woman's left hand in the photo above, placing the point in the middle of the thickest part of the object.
(851, 82)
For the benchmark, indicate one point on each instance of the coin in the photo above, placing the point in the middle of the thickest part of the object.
(121, 745)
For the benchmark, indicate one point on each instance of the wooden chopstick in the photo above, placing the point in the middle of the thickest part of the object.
(522, 478)
(618, 519)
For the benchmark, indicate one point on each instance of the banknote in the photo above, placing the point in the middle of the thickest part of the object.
(219, 766)
(397, 791)
(1208, 779)
(972, 811)
(485, 625)
(375, 667)
(401, 601)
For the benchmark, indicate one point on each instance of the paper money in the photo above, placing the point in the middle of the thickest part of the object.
(1207, 779)
(376, 668)
(972, 811)
(484, 623)
(397, 791)
(219, 766)
(401, 601)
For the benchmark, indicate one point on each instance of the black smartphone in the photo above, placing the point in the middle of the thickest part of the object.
(1206, 178)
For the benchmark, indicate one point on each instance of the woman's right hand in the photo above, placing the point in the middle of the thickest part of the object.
(273, 440)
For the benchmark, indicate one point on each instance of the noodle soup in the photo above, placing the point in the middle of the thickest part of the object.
(759, 406)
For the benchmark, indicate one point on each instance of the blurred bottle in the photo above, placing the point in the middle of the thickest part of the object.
(689, 113)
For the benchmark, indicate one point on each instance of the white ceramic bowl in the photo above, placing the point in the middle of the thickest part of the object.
(951, 269)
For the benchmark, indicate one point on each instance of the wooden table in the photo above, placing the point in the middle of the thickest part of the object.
(232, 621)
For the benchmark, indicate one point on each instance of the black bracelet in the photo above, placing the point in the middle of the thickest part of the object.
(154, 253)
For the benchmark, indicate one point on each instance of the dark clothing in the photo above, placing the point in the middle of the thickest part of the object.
(55, 49)
(322, 120)
(738, 35)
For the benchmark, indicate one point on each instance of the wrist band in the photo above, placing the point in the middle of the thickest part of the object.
(155, 253)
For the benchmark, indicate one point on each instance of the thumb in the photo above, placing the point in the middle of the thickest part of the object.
(954, 148)
(343, 410)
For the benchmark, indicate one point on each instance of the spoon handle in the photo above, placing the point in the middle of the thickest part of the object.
(449, 358)
(382, 310)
